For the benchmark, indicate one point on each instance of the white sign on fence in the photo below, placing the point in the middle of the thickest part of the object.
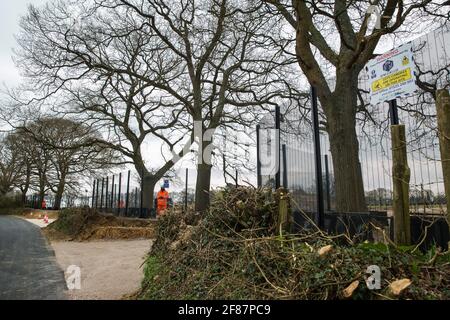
(392, 75)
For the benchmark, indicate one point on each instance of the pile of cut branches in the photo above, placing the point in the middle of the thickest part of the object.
(88, 224)
(233, 252)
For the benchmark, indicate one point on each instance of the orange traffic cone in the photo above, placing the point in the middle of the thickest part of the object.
(46, 218)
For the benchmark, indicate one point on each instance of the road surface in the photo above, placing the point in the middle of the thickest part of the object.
(28, 268)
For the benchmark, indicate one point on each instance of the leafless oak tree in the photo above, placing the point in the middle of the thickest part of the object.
(174, 70)
(69, 154)
(227, 66)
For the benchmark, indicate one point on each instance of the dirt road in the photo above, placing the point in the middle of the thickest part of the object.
(109, 269)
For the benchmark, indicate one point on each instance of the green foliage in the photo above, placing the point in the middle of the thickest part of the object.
(233, 252)
(150, 282)
(68, 221)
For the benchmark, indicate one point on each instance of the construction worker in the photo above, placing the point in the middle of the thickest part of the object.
(162, 200)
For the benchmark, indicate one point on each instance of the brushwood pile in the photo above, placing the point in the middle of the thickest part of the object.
(234, 251)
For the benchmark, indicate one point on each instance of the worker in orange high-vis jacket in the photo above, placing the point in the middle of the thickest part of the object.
(162, 200)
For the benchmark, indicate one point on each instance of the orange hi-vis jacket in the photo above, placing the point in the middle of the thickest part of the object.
(162, 199)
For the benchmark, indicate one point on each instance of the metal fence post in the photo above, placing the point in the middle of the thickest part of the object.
(136, 197)
(318, 158)
(258, 160)
(106, 193)
(101, 196)
(277, 144)
(119, 198)
(96, 194)
(112, 193)
(424, 202)
(393, 112)
(327, 183)
(186, 191)
(285, 176)
(142, 194)
(93, 195)
(128, 193)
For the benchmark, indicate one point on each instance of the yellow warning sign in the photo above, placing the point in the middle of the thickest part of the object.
(405, 61)
(392, 79)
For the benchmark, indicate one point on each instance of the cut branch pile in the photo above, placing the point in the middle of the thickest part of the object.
(234, 252)
(88, 224)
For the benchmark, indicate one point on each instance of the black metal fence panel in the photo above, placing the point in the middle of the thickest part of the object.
(417, 112)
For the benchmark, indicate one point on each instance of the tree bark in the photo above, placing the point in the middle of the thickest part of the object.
(58, 198)
(24, 188)
(41, 198)
(59, 193)
(24, 196)
(202, 187)
(341, 123)
(204, 166)
(148, 190)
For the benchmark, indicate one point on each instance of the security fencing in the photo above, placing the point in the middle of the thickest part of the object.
(286, 141)
(120, 194)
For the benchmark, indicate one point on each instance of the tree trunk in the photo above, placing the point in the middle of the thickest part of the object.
(26, 185)
(60, 192)
(41, 197)
(204, 166)
(202, 187)
(58, 198)
(24, 196)
(341, 122)
(148, 190)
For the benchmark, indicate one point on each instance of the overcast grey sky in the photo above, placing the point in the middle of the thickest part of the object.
(10, 13)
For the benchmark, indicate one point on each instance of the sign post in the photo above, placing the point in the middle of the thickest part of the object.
(393, 112)
(391, 76)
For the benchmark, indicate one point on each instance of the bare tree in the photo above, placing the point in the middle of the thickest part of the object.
(107, 78)
(227, 67)
(11, 164)
(70, 152)
(174, 71)
(21, 143)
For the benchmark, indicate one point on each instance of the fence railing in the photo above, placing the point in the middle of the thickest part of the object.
(292, 149)
(120, 194)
